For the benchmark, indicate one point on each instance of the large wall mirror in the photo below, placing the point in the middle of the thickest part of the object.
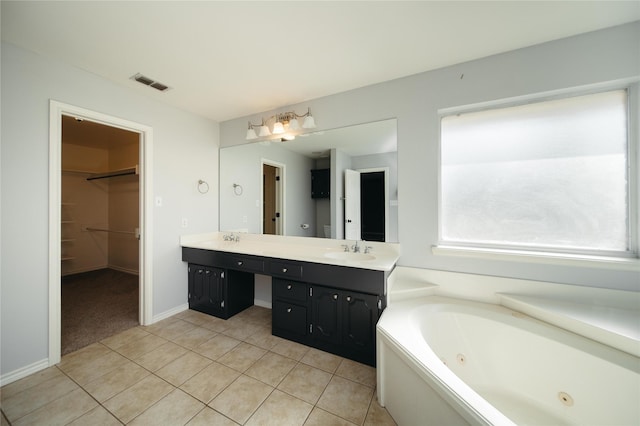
(339, 183)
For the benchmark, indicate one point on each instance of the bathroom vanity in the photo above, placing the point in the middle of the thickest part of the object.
(323, 296)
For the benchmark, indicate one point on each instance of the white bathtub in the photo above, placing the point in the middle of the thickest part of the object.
(449, 361)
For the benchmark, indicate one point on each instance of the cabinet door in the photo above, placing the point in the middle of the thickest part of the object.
(215, 282)
(360, 315)
(290, 319)
(327, 315)
(206, 289)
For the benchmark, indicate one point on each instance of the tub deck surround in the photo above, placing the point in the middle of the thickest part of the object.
(607, 316)
(383, 256)
(474, 363)
(616, 325)
(408, 283)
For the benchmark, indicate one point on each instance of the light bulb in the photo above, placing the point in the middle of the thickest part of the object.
(309, 122)
(278, 128)
(264, 131)
(251, 134)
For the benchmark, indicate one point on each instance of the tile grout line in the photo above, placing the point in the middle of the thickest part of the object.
(192, 350)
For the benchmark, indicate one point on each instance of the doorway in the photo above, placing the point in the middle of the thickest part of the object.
(62, 210)
(100, 199)
(272, 198)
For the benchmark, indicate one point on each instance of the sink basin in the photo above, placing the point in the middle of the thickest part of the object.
(346, 255)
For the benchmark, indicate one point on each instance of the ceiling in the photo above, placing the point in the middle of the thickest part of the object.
(228, 59)
(95, 135)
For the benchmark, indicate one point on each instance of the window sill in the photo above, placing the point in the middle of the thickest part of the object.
(617, 263)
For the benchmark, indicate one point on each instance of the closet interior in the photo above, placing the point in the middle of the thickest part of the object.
(100, 195)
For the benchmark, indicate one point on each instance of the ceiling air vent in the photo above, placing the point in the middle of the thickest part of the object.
(150, 82)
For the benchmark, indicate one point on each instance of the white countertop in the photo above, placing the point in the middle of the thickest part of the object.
(381, 256)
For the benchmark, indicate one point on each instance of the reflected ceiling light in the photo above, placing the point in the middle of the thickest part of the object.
(263, 130)
(251, 134)
(282, 123)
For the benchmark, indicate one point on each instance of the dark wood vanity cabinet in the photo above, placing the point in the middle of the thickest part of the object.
(336, 321)
(206, 289)
(219, 292)
(290, 310)
(313, 304)
(344, 322)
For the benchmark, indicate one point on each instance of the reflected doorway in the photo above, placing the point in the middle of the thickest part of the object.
(372, 206)
(366, 201)
(272, 198)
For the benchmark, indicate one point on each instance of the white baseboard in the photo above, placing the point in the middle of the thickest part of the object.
(262, 303)
(125, 270)
(169, 313)
(25, 371)
(87, 269)
(99, 267)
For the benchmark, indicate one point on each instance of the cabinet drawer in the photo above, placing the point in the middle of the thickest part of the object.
(290, 317)
(285, 269)
(286, 289)
(243, 263)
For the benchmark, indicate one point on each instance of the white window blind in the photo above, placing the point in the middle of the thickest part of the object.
(544, 176)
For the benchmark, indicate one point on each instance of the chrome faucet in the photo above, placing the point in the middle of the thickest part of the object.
(355, 247)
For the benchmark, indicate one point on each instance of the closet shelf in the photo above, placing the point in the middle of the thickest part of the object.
(113, 173)
(90, 228)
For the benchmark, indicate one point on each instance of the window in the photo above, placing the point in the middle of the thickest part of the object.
(551, 176)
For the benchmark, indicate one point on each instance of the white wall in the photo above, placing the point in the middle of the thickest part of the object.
(415, 100)
(185, 149)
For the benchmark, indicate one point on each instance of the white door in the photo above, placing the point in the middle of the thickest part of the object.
(351, 205)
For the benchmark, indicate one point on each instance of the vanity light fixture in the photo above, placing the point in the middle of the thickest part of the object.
(282, 123)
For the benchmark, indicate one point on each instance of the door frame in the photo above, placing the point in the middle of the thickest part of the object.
(145, 308)
(280, 195)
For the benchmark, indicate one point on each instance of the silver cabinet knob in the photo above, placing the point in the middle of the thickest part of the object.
(288, 310)
(335, 297)
(289, 287)
(239, 262)
(348, 298)
(284, 269)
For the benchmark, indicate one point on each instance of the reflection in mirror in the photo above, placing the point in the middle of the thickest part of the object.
(339, 183)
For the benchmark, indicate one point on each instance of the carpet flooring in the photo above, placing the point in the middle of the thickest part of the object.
(96, 305)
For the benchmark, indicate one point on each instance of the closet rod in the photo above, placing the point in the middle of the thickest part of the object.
(109, 230)
(122, 172)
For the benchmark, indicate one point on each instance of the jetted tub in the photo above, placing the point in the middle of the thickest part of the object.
(448, 361)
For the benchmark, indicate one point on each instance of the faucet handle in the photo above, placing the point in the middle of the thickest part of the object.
(367, 249)
(346, 247)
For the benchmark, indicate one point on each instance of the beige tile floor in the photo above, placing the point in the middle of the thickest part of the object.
(196, 369)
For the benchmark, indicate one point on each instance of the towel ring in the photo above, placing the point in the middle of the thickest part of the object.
(237, 189)
(203, 187)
